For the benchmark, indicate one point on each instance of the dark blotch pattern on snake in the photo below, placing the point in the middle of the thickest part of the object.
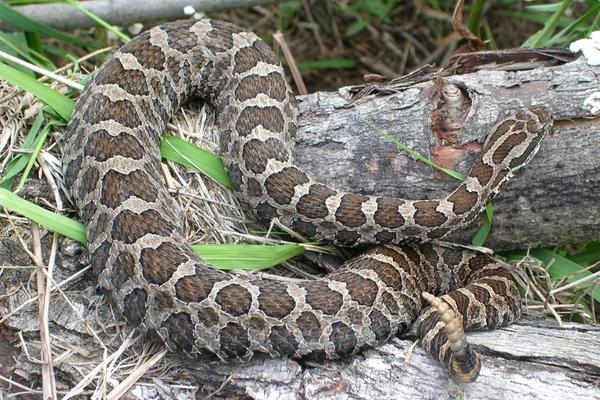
(137, 247)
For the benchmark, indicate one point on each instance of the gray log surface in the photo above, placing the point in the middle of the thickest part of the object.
(533, 359)
(124, 12)
(554, 199)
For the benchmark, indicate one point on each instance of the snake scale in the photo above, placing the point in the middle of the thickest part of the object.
(139, 251)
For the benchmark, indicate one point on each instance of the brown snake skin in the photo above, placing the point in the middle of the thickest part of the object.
(139, 250)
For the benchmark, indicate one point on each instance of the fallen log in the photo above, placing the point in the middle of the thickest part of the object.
(124, 12)
(534, 359)
(553, 200)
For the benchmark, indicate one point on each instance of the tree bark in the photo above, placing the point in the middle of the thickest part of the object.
(555, 199)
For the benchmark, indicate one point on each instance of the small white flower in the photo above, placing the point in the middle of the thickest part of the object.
(589, 47)
(189, 10)
(110, 35)
(136, 28)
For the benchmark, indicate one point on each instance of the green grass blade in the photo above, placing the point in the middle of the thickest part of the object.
(589, 255)
(34, 42)
(562, 267)
(33, 156)
(454, 174)
(19, 48)
(24, 23)
(543, 8)
(489, 36)
(224, 256)
(356, 27)
(483, 232)
(99, 21)
(335, 63)
(61, 104)
(578, 23)
(24, 162)
(19, 161)
(541, 37)
(192, 156)
(287, 11)
(531, 17)
(594, 26)
(53, 221)
(475, 16)
(172, 148)
(246, 256)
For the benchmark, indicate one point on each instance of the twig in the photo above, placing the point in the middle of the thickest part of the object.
(279, 39)
(43, 288)
(41, 70)
(134, 376)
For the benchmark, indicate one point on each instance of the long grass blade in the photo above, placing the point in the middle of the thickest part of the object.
(18, 47)
(99, 20)
(19, 21)
(61, 104)
(53, 221)
(246, 256)
(562, 267)
(19, 161)
(483, 232)
(541, 37)
(192, 156)
(223, 256)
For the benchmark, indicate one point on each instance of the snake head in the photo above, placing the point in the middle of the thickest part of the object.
(542, 118)
(538, 123)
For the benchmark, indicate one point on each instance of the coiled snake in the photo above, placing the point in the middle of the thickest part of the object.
(138, 248)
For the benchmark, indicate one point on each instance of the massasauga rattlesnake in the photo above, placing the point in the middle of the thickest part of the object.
(136, 240)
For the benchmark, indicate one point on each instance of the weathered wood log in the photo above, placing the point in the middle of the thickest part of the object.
(124, 12)
(554, 199)
(533, 359)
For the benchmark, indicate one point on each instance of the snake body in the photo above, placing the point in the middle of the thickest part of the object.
(137, 244)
